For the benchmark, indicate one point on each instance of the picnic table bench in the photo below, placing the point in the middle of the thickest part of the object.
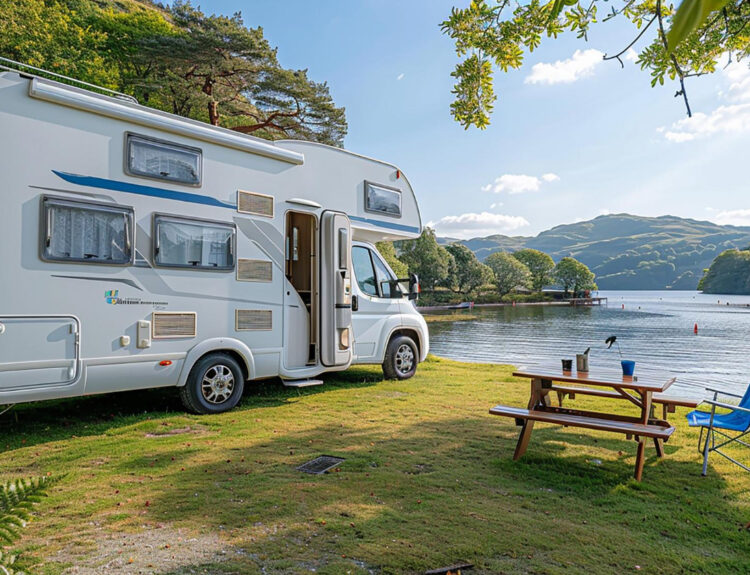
(668, 402)
(545, 380)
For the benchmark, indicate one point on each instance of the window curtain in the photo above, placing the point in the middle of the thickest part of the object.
(80, 233)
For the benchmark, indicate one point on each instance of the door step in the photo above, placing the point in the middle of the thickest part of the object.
(301, 382)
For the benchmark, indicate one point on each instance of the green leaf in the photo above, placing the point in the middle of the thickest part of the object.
(556, 7)
(690, 15)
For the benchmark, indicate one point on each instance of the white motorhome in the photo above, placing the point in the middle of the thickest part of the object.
(140, 249)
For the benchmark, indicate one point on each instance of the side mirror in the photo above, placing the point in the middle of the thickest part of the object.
(395, 289)
(414, 287)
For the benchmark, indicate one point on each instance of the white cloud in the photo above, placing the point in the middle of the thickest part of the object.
(400, 76)
(495, 205)
(730, 118)
(604, 212)
(732, 218)
(474, 225)
(631, 55)
(518, 183)
(738, 75)
(580, 65)
(733, 119)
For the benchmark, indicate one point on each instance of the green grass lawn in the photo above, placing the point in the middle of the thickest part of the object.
(428, 481)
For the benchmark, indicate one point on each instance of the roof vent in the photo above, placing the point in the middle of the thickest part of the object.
(254, 203)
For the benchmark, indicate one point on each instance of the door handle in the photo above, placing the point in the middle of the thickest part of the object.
(2, 328)
(355, 304)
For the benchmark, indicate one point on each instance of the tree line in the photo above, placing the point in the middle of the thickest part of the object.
(174, 58)
(455, 268)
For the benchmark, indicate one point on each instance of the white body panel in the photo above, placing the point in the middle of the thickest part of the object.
(61, 142)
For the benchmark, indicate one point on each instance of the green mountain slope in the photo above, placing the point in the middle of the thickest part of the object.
(729, 273)
(631, 252)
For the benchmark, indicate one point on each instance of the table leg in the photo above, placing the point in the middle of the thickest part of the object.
(536, 393)
(639, 459)
(659, 447)
(645, 406)
(645, 416)
(523, 438)
(560, 397)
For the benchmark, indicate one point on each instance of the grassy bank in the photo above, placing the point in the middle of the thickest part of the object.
(442, 296)
(449, 316)
(428, 480)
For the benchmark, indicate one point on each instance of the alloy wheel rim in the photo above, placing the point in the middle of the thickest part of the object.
(218, 384)
(404, 358)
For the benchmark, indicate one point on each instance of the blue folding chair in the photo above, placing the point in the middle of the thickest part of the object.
(737, 420)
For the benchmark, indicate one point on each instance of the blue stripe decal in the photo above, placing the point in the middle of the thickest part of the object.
(382, 224)
(102, 183)
(114, 185)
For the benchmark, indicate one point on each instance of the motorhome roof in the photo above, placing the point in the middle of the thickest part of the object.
(321, 158)
(121, 109)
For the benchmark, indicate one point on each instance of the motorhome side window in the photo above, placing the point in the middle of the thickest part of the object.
(83, 232)
(189, 243)
(387, 289)
(382, 200)
(161, 160)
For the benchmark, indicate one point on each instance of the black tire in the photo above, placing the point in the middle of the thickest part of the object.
(401, 358)
(215, 385)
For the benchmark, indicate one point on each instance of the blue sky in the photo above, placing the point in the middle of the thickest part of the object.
(571, 138)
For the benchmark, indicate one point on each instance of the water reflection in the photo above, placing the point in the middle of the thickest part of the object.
(654, 328)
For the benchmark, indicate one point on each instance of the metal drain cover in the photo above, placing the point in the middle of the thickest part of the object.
(320, 465)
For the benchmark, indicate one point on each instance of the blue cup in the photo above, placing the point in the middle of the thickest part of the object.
(628, 367)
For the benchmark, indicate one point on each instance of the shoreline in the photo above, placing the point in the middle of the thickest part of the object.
(430, 308)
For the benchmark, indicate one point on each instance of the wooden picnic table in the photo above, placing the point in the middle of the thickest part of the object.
(638, 390)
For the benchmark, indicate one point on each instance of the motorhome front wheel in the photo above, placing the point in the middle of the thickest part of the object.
(401, 358)
(214, 385)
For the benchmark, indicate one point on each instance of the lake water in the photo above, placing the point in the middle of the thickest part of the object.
(654, 328)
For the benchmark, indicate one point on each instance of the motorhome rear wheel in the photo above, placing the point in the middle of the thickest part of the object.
(401, 358)
(214, 385)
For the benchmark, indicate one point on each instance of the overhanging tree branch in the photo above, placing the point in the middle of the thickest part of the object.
(680, 74)
(629, 46)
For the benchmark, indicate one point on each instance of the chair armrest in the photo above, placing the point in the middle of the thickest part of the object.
(722, 392)
(726, 405)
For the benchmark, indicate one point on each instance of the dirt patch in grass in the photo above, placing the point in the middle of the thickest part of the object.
(151, 550)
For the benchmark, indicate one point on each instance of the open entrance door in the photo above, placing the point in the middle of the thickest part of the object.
(302, 273)
(335, 290)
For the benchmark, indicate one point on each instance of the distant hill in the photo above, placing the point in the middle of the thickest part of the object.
(629, 252)
(729, 274)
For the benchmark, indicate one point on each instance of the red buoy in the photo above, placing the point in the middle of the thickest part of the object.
(695, 328)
